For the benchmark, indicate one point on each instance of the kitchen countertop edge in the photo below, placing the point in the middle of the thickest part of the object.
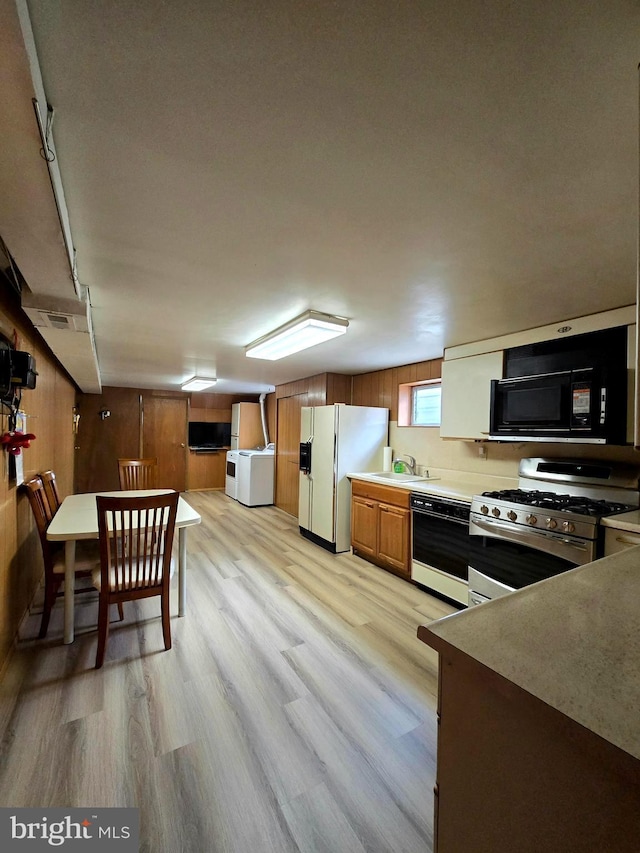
(629, 521)
(571, 640)
(448, 483)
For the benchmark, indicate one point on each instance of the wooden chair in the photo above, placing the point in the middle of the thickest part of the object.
(51, 491)
(87, 553)
(136, 537)
(138, 473)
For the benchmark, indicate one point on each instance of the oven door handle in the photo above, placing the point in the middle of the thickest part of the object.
(464, 522)
(495, 527)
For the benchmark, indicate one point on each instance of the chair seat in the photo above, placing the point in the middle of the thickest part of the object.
(116, 575)
(87, 557)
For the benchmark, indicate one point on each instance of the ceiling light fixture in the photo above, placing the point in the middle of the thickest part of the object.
(198, 383)
(305, 331)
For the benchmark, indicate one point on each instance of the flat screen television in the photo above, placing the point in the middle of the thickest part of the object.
(208, 436)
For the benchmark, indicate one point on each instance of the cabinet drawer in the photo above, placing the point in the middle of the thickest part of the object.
(386, 494)
(616, 540)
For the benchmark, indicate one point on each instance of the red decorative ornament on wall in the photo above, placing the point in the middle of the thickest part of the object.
(13, 442)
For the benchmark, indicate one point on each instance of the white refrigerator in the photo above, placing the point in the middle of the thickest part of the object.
(336, 440)
(246, 426)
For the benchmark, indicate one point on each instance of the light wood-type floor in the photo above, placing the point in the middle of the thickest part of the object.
(295, 711)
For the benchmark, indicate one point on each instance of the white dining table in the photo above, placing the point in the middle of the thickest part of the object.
(77, 518)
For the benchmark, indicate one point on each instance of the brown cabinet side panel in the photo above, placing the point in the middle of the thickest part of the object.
(514, 774)
(288, 447)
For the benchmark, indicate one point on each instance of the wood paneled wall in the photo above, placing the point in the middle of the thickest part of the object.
(380, 388)
(215, 407)
(49, 407)
(323, 389)
(271, 408)
(102, 442)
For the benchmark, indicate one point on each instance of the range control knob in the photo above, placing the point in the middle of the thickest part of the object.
(484, 509)
(495, 511)
(531, 519)
(511, 515)
(552, 523)
(568, 526)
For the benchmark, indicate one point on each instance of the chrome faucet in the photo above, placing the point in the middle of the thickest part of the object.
(409, 465)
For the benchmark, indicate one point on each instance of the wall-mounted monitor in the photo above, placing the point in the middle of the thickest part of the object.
(209, 436)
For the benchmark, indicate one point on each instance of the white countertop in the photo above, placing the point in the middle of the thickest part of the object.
(572, 640)
(445, 483)
(629, 521)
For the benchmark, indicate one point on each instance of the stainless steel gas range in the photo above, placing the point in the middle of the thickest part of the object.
(548, 525)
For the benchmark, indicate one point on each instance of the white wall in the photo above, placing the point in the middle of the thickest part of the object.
(425, 444)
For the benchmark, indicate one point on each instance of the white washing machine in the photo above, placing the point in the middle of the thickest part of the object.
(254, 477)
(231, 477)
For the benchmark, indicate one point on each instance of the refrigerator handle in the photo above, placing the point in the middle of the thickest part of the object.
(305, 456)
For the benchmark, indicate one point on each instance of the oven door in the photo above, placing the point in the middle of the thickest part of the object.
(440, 555)
(512, 559)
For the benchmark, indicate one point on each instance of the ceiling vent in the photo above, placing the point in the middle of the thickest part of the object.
(65, 324)
(51, 312)
(57, 320)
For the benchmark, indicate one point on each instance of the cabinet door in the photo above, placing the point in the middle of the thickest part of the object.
(393, 537)
(466, 395)
(364, 526)
(619, 540)
(206, 470)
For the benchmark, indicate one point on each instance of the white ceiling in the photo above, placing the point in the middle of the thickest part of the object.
(436, 171)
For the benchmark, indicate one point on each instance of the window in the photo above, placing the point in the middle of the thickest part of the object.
(425, 404)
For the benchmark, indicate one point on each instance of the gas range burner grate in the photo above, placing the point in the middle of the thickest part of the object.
(559, 503)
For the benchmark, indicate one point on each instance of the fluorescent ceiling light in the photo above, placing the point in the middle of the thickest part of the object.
(198, 383)
(305, 331)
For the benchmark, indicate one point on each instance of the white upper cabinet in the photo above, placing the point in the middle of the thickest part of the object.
(467, 370)
(466, 394)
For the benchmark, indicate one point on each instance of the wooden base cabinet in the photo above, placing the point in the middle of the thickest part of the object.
(616, 540)
(207, 470)
(515, 774)
(381, 526)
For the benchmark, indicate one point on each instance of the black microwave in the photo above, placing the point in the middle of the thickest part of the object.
(582, 406)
